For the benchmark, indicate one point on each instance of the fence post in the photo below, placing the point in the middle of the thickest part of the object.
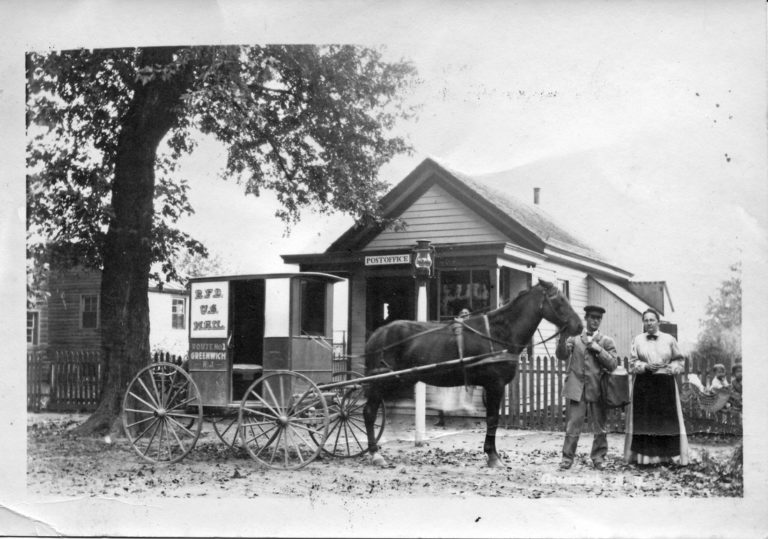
(514, 398)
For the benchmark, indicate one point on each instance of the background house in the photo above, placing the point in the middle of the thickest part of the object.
(70, 316)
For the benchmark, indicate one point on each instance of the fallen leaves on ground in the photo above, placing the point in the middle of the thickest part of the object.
(63, 465)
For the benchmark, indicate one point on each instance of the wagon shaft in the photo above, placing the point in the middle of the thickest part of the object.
(468, 362)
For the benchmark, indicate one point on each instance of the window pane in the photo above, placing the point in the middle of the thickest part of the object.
(177, 313)
(464, 290)
(32, 328)
(455, 293)
(312, 319)
(481, 290)
(89, 311)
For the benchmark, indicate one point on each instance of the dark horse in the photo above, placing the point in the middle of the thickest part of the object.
(405, 344)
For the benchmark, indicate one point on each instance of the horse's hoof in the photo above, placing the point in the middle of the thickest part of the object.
(378, 460)
(495, 462)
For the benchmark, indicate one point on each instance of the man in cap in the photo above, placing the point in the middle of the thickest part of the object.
(589, 354)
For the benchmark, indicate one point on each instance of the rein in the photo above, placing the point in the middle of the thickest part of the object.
(487, 337)
(502, 343)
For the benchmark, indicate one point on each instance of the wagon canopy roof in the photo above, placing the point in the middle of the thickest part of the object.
(285, 275)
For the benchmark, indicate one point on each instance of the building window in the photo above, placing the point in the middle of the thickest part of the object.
(468, 289)
(178, 309)
(565, 288)
(89, 311)
(33, 329)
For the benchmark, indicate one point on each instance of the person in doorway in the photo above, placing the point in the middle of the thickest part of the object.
(451, 398)
(655, 427)
(589, 354)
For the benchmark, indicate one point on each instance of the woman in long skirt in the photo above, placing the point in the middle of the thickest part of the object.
(655, 427)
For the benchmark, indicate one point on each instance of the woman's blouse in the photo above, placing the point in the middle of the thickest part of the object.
(660, 348)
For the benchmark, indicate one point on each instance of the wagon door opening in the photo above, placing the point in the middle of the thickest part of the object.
(247, 333)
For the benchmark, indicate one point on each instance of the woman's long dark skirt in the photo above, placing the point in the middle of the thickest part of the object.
(655, 426)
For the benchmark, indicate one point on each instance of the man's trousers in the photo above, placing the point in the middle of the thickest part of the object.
(575, 413)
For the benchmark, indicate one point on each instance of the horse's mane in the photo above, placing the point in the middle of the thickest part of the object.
(512, 301)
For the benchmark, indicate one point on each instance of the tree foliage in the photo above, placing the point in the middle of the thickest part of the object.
(720, 335)
(106, 129)
(309, 123)
(191, 265)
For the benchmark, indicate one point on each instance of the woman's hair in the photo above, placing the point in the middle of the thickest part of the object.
(655, 313)
(718, 367)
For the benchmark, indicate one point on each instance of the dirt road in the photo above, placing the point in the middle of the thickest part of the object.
(449, 463)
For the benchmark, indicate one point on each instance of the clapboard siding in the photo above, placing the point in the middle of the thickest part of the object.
(64, 329)
(440, 218)
(621, 321)
(578, 287)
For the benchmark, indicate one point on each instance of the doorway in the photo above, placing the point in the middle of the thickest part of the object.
(388, 299)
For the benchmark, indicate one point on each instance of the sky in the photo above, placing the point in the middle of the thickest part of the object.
(642, 123)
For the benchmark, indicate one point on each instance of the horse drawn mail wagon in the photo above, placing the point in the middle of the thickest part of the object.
(260, 365)
(259, 346)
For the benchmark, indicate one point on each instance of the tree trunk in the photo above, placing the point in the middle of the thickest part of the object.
(128, 244)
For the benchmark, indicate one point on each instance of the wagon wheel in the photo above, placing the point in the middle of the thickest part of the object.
(281, 417)
(346, 432)
(225, 426)
(159, 404)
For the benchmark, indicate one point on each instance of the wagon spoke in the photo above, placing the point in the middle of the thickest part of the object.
(178, 440)
(263, 433)
(182, 427)
(140, 420)
(291, 410)
(297, 424)
(289, 439)
(278, 437)
(136, 411)
(283, 394)
(337, 427)
(267, 421)
(174, 390)
(359, 423)
(349, 426)
(265, 403)
(152, 438)
(181, 414)
(155, 403)
(295, 433)
(154, 423)
(168, 430)
(226, 428)
(153, 381)
(161, 425)
(309, 406)
(183, 403)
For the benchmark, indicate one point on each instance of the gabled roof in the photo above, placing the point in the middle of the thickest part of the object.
(623, 294)
(661, 284)
(527, 225)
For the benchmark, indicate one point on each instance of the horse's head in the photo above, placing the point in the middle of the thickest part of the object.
(555, 308)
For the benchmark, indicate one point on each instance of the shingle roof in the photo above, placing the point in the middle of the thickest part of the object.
(532, 217)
